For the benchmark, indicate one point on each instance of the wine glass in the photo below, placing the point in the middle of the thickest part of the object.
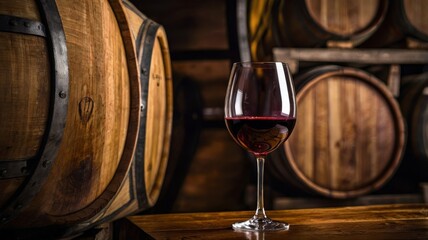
(260, 114)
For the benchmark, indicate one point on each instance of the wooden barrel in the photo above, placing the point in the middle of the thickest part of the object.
(142, 186)
(74, 111)
(405, 20)
(70, 110)
(157, 89)
(414, 105)
(319, 23)
(349, 135)
(414, 18)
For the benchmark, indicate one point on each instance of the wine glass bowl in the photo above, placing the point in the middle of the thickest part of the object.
(260, 114)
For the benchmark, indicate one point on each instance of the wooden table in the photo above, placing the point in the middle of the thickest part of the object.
(363, 222)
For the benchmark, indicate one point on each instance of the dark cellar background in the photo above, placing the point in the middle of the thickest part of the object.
(213, 173)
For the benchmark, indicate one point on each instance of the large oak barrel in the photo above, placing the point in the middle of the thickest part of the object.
(70, 111)
(349, 135)
(414, 105)
(142, 187)
(406, 20)
(74, 113)
(319, 23)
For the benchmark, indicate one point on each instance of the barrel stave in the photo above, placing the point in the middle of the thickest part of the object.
(349, 136)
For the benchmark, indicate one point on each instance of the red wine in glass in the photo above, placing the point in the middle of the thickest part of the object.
(260, 135)
(260, 114)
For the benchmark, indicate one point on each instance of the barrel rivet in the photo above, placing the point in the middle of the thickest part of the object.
(62, 94)
(26, 24)
(3, 172)
(144, 71)
(46, 163)
(18, 206)
(13, 22)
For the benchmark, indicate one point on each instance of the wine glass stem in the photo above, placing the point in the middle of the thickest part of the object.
(260, 211)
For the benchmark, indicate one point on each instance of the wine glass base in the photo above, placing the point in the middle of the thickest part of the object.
(263, 224)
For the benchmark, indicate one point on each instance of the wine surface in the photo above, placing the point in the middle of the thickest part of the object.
(260, 135)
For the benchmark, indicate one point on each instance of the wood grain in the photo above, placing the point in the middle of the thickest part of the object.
(24, 101)
(327, 23)
(343, 17)
(405, 25)
(415, 12)
(24, 9)
(102, 119)
(368, 222)
(366, 56)
(141, 188)
(353, 126)
(92, 147)
(159, 104)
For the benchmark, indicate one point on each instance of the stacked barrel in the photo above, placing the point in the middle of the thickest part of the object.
(335, 24)
(86, 114)
(352, 126)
